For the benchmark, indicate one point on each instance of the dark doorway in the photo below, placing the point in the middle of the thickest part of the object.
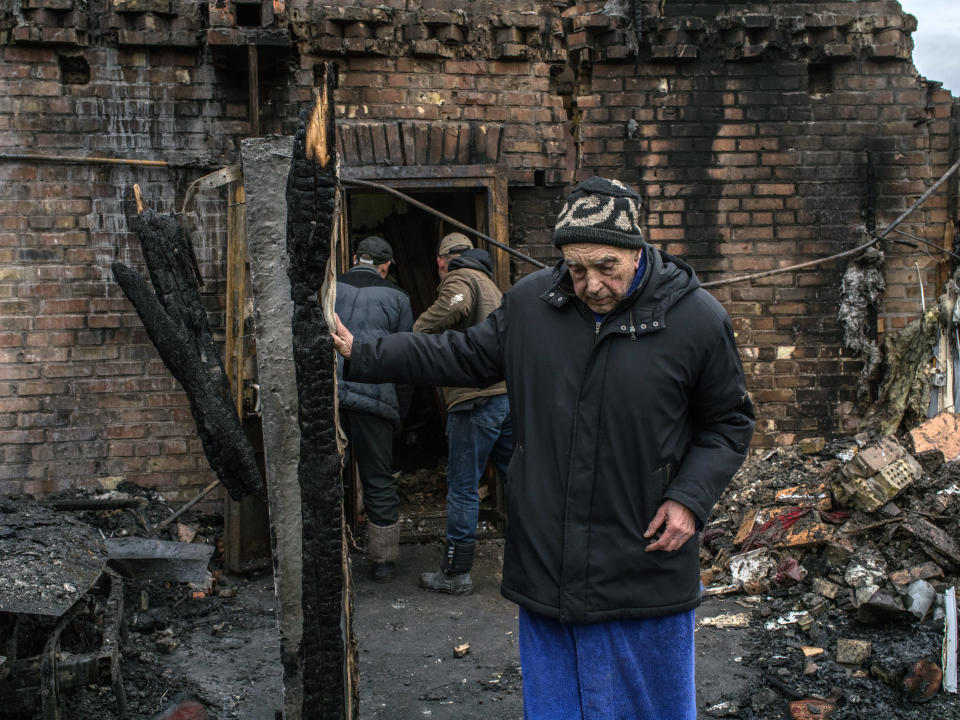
(420, 447)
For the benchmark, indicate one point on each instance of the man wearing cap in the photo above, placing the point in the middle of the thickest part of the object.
(630, 414)
(371, 411)
(478, 420)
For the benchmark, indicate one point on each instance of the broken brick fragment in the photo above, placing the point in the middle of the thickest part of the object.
(811, 709)
(923, 681)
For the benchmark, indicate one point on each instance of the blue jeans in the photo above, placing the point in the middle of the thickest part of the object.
(472, 436)
(612, 670)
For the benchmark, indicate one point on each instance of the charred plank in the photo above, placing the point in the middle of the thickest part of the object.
(176, 322)
(312, 204)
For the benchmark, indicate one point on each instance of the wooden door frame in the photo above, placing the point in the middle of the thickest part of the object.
(490, 179)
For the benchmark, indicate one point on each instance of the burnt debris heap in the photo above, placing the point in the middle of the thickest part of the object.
(312, 206)
(176, 321)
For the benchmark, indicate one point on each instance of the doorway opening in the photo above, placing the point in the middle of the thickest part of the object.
(420, 446)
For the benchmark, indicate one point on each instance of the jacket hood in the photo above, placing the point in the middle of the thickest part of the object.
(474, 259)
(667, 280)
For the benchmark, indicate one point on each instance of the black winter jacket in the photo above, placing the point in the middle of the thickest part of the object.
(610, 420)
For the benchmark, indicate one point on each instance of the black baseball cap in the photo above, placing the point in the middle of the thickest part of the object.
(376, 248)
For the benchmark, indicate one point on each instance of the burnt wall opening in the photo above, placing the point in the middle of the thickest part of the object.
(819, 78)
(74, 70)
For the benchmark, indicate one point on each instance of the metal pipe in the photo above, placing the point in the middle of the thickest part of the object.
(189, 504)
(923, 304)
(84, 160)
(456, 223)
(949, 652)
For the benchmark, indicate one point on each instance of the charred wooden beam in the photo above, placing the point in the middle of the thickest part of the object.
(176, 323)
(266, 165)
(327, 660)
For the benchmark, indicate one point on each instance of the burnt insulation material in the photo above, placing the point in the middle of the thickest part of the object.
(311, 203)
(860, 293)
(176, 323)
(905, 391)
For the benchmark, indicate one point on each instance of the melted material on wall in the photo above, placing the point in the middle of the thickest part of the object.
(860, 293)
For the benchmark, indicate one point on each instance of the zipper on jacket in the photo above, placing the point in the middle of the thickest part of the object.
(596, 329)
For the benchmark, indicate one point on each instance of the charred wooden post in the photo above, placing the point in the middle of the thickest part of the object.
(176, 323)
(266, 165)
(327, 655)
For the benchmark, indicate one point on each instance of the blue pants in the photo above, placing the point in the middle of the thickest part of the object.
(616, 670)
(472, 436)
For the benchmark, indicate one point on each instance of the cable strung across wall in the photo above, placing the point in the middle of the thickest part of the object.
(874, 239)
(36, 157)
(446, 218)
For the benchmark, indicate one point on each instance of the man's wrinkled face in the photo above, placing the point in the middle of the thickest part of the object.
(601, 274)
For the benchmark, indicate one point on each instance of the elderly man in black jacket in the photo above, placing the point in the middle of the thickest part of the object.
(630, 417)
(371, 411)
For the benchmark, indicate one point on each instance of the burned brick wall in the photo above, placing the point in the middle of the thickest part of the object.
(760, 136)
(83, 394)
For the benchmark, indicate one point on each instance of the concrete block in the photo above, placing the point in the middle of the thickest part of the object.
(853, 652)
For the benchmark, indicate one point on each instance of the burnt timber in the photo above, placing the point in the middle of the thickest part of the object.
(325, 658)
(176, 321)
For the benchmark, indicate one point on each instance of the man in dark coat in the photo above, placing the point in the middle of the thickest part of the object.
(630, 415)
(478, 420)
(371, 411)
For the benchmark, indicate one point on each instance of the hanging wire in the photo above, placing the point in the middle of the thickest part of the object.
(456, 223)
(925, 242)
(873, 240)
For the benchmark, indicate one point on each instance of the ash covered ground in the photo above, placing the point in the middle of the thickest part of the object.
(223, 649)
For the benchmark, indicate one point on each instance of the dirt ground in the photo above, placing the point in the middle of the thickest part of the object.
(407, 638)
(225, 650)
(223, 647)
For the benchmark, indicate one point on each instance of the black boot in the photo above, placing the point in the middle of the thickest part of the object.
(453, 577)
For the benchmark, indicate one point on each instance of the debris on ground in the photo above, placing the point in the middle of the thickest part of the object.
(841, 555)
(848, 555)
(56, 576)
(422, 496)
(460, 650)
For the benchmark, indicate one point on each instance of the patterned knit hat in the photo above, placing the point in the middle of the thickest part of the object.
(601, 211)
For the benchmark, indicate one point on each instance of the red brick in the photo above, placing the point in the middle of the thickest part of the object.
(60, 322)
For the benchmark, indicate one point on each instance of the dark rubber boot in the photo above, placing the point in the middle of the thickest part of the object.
(453, 577)
(383, 572)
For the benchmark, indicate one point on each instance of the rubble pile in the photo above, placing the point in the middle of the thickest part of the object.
(56, 558)
(842, 556)
(143, 515)
(422, 491)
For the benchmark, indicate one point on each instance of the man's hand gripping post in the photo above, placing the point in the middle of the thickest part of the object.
(342, 338)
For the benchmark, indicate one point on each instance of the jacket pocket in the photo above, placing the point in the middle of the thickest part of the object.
(654, 489)
(514, 469)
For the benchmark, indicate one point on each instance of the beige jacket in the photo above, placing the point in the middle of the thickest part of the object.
(465, 297)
